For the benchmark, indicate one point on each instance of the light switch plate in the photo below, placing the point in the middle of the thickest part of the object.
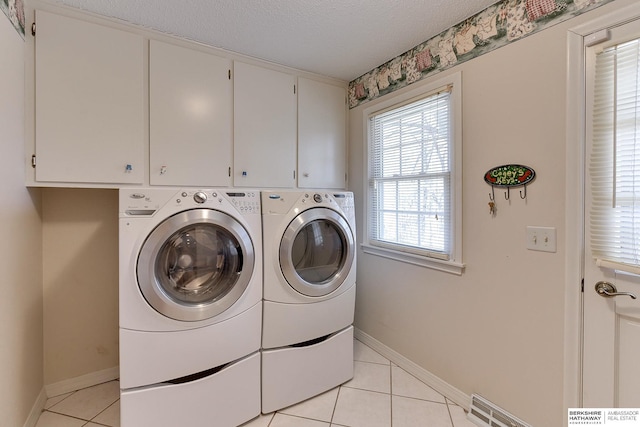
(541, 239)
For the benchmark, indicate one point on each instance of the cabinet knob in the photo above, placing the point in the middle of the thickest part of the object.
(163, 170)
(128, 168)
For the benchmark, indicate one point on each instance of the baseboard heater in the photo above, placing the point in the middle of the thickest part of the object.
(485, 414)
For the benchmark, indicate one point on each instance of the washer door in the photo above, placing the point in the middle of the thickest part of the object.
(316, 252)
(195, 264)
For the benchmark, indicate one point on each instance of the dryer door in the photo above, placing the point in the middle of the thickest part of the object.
(195, 264)
(316, 252)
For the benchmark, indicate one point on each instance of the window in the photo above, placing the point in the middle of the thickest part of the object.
(413, 177)
(615, 158)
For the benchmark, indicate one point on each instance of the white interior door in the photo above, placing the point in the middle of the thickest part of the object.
(611, 358)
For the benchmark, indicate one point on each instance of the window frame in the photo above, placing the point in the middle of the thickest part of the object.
(398, 252)
(603, 139)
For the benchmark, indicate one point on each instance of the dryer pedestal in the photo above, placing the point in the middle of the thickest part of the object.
(293, 374)
(286, 324)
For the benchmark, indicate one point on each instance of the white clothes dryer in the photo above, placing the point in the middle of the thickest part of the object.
(309, 294)
(190, 306)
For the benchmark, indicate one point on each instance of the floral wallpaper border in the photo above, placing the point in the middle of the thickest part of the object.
(498, 25)
(14, 9)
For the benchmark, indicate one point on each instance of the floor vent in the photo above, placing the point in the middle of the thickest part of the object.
(485, 414)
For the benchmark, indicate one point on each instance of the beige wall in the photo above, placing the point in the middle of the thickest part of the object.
(80, 239)
(497, 330)
(21, 378)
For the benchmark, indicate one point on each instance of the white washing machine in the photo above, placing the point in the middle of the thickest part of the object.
(190, 306)
(309, 294)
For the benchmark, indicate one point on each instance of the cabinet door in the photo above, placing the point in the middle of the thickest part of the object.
(264, 127)
(190, 113)
(322, 141)
(89, 102)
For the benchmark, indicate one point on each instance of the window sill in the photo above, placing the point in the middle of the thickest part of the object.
(435, 264)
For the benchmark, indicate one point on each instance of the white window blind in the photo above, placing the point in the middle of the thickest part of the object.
(615, 159)
(410, 177)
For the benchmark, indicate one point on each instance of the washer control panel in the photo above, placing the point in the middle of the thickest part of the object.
(147, 202)
(200, 197)
(245, 201)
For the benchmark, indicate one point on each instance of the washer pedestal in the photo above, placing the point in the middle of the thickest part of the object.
(226, 398)
(152, 358)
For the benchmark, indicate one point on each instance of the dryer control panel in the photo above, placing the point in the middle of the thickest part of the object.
(345, 200)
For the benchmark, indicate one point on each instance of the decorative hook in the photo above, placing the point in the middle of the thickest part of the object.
(505, 177)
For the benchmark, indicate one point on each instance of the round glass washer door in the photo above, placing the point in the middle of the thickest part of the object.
(316, 252)
(195, 264)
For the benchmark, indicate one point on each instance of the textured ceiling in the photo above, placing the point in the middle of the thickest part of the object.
(338, 38)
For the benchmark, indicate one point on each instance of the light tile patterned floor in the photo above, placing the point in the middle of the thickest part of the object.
(380, 395)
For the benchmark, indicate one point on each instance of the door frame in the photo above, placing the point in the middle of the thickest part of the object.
(574, 198)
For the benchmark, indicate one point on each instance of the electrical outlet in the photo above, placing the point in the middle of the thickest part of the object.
(541, 239)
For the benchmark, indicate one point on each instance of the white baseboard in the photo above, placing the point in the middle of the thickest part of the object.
(36, 409)
(447, 390)
(83, 381)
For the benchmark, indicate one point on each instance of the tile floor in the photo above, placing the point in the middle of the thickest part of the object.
(380, 395)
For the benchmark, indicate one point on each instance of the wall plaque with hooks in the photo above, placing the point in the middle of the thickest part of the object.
(508, 176)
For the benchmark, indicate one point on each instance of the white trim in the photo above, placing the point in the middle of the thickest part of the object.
(409, 258)
(614, 19)
(574, 199)
(447, 390)
(429, 85)
(574, 227)
(83, 381)
(36, 409)
(633, 270)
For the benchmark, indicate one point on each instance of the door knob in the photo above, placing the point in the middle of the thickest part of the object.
(607, 290)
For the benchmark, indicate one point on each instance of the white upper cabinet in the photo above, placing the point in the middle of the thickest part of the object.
(264, 127)
(89, 102)
(112, 105)
(322, 140)
(190, 117)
